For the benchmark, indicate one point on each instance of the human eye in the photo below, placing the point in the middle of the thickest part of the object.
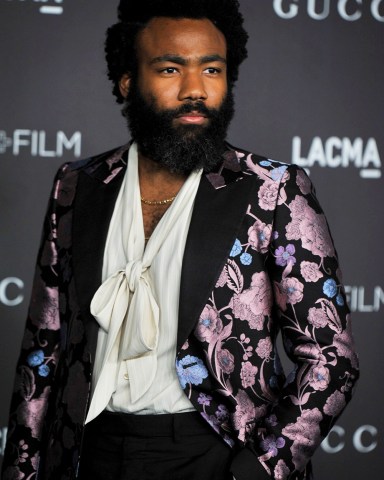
(168, 70)
(213, 70)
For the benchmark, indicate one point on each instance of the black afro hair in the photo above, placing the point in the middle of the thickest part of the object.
(134, 15)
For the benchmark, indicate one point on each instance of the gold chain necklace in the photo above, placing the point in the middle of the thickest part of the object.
(157, 202)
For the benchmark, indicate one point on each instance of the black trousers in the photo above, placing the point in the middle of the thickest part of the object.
(147, 447)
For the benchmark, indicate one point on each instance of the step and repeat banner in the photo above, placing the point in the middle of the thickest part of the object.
(310, 93)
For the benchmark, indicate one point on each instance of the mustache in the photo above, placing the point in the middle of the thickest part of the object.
(195, 107)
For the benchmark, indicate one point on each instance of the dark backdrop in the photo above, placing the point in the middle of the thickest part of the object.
(311, 92)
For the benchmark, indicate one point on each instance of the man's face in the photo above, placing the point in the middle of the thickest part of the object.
(178, 105)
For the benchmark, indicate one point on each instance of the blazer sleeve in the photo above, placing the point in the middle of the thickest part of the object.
(39, 354)
(312, 314)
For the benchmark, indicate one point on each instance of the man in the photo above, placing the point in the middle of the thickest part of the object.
(166, 270)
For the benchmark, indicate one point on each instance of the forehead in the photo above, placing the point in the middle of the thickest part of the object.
(184, 37)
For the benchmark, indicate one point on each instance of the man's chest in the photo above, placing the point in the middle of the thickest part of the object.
(152, 214)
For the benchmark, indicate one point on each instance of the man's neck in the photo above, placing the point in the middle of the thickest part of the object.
(158, 187)
(156, 181)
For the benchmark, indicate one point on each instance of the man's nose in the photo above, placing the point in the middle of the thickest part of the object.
(192, 87)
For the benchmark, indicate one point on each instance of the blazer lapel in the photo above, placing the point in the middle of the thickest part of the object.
(97, 190)
(216, 218)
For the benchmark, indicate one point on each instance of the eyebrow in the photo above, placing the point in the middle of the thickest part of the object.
(183, 61)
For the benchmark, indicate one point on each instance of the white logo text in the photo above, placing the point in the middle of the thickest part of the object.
(359, 301)
(54, 9)
(364, 439)
(10, 291)
(349, 10)
(37, 144)
(339, 152)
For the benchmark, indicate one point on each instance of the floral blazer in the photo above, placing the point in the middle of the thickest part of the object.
(259, 259)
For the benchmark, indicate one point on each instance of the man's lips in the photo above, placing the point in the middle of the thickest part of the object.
(192, 118)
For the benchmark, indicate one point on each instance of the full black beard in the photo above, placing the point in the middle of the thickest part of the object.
(184, 148)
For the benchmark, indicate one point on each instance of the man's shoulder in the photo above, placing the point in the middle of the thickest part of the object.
(252, 163)
(94, 162)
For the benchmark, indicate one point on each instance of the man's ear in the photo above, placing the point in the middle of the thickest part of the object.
(124, 84)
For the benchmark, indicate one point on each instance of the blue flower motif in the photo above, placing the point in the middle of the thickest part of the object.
(273, 383)
(191, 370)
(277, 173)
(288, 344)
(330, 288)
(236, 249)
(340, 300)
(290, 378)
(44, 370)
(35, 358)
(277, 366)
(261, 236)
(246, 259)
(265, 163)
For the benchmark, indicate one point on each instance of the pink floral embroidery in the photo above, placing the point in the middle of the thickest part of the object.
(303, 182)
(259, 236)
(44, 307)
(246, 415)
(281, 471)
(35, 461)
(290, 290)
(222, 279)
(49, 253)
(256, 322)
(317, 317)
(264, 348)
(23, 455)
(254, 303)
(298, 206)
(32, 413)
(306, 436)
(13, 473)
(116, 157)
(113, 175)
(209, 325)
(319, 378)
(268, 194)
(334, 404)
(316, 237)
(311, 353)
(310, 271)
(247, 374)
(310, 227)
(293, 289)
(226, 361)
(293, 230)
(345, 345)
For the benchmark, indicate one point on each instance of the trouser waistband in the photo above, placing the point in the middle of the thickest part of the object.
(162, 425)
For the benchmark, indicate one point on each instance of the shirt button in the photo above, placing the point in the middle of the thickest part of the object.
(126, 376)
